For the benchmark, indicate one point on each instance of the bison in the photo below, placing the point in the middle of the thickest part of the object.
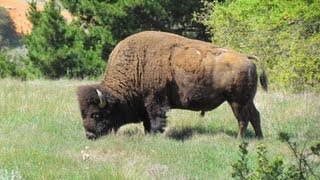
(150, 72)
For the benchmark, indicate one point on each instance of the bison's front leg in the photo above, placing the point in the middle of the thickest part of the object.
(157, 115)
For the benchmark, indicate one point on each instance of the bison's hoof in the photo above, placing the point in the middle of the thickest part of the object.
(202, 113)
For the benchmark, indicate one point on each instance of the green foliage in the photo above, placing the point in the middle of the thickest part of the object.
(304, 168)
(6, 68)
(59, 50)
(284, 34)
(267, 170)
(240, 168)
(13, 64)
(125, 17)
(33, 14)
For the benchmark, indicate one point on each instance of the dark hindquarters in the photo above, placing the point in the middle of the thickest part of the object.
(241, 102)
(244, 114)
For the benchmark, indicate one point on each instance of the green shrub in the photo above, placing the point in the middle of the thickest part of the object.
(13, 64)
(240, 168)
(6, 68)
(61, 50)
(123, 18)
(277, 169)
(284, 34)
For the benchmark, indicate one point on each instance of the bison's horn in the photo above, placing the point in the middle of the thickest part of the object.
(102, 103)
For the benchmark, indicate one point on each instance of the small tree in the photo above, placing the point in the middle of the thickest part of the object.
(13, 64)
(58, 49)
(240, 168)
(123, 18)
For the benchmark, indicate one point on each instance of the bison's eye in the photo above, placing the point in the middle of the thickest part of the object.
(95, 116)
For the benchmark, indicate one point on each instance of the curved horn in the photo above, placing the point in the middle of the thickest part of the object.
(102, 103)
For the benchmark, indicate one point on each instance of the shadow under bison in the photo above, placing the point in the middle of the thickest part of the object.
(187, 133)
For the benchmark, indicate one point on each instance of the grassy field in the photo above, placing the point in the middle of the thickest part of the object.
(41, 137)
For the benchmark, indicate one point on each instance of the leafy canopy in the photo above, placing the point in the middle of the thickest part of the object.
(60, 50)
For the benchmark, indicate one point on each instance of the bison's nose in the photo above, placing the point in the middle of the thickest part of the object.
(91, 135)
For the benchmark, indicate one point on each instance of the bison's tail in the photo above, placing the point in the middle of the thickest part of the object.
(264, 80)
(263, 76)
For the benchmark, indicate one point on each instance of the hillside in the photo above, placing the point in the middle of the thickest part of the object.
(18, 9)
(8, 35)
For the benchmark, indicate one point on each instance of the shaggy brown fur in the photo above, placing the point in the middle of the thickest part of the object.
(150, 72)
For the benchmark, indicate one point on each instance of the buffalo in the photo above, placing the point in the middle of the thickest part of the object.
(151, 72)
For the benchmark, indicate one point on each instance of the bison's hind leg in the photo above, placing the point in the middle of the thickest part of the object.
(244, 114)
(255, 120)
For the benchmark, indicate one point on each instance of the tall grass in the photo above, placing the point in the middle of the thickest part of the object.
(41, 137)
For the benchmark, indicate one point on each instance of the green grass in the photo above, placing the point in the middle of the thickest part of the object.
(41, 137)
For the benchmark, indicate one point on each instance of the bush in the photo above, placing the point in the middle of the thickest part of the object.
(61, 50)
(277, 169)
(123, 18)
(13, 64)
(284, 34)
(7, 68)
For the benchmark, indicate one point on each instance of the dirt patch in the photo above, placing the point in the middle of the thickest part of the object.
(18, 10)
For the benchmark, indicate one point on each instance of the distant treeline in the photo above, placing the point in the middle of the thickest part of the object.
(284, 34)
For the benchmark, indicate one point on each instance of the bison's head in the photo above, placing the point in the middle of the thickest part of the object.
(98, 110)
